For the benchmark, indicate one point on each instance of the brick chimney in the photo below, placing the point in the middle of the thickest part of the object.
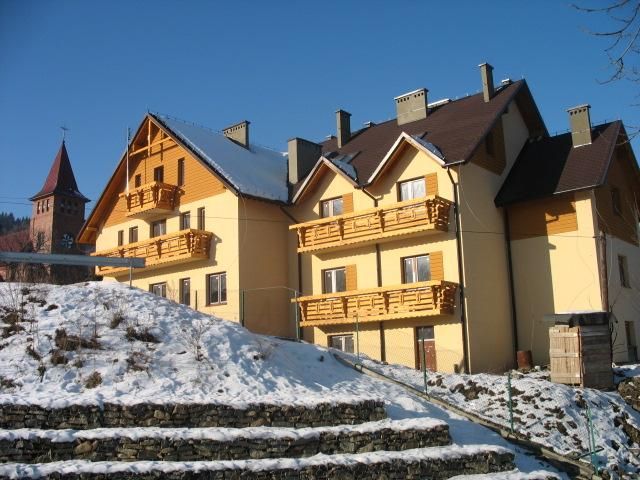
(343, 126)
(239, 133)
(486, 73)
(580, 122)
(411, 106)
(303, 155)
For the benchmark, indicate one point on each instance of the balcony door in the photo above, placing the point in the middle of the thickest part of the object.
(426, 348)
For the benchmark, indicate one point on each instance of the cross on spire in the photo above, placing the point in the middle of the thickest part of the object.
(64, 132)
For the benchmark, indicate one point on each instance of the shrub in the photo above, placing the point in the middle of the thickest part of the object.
(71, 343)
(143, 335)
(116, 320)
(32, 353)
(58, 357)
(6, 383)
(93, 380)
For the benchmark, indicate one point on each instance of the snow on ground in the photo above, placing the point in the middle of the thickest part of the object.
(551, 414)
(197, 358)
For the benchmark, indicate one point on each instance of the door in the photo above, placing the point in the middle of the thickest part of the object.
(426, 348)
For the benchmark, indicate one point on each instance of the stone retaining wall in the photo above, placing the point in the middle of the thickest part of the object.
(396, 469)
(82, 417)
(124, 449)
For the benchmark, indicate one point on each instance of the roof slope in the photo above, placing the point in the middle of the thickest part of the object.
(60, 180)
(256, 171)
(455, 128)
(551, 165)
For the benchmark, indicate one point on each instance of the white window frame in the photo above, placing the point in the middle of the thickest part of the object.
(163, 229)
(342, 340)
(333, 284)
(416, 188)
(162, 286)
(410, 265)
(220, 278)
(334, 206)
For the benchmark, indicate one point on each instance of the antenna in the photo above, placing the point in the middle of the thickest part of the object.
(128, 140)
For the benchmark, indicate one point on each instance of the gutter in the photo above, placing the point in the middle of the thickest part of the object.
(463, 315)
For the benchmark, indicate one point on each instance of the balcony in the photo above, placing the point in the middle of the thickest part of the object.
(179, 247)
(422, 299)
(411, 217)
(150, 199)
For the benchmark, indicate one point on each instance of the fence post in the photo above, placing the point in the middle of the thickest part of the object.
(297, 307)
(242, 307)
(423, 363)
(510, 402)
(357, 338)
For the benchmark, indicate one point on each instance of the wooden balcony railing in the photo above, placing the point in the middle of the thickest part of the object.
(374, 225)
(183, 246)
(412, 300)
(151, 198)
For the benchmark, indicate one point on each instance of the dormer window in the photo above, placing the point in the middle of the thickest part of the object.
(331, 208)
(412, 189)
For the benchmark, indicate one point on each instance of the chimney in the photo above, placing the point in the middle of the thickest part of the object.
(580, 122)
(486, 73)
(303, 155)
(343, 121)
(239, 133)
(411, 106)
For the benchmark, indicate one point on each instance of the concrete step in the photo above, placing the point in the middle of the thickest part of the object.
(135, 444)
(436, 463)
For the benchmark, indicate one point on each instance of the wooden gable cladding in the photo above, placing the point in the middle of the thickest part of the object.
(491, 154)
(347, 203)
(162, 151)
(548, 216)
(431, 183)
(351, 277)
(436, 265)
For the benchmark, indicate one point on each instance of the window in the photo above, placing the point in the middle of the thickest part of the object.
(201, 218)
(616, 201)
(426, 348)
(158, 174)
(329, 208)
(185, 291)
(133, 234)
(120, 238)
(180, 172)
(38, 208)
(416, 269)
(412, 189)
(159, 289)
(47, 204)
(185, 220)
(342, 342)
(624, 272)
(334, 280)
(158, 228)
(138, 180)
(216, 288)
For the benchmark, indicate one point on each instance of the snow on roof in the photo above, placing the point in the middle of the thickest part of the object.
(342, 162)
(256, 171)
(429, 146)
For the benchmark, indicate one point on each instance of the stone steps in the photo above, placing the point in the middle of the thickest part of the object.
(136, 444)
(433, 463)
(81, 417)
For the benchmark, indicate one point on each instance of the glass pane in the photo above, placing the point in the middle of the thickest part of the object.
(223, 287)
(408, 270)
(424, 269)
(325, 209)
(418, 188)
(214, 286)
(426, 333)
(335, 342)
(405, 191)
(348, 343)
(327, 285)
(341, 283)
(337, 206)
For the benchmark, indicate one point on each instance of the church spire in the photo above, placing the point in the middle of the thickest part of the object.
(60, 180)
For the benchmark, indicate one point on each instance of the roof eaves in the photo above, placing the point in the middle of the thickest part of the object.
(321, 161)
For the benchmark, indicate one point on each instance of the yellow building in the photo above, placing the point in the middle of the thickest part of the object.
(451, 235)
(204, 210)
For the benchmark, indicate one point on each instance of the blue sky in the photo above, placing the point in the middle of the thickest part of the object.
(97, 67)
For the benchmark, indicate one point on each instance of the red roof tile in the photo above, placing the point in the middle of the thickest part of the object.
(60, 180)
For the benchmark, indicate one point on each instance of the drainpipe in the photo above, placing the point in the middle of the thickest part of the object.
(604, 273)
(383, 353)
(299, 265)
(512, 289)
(463, 315)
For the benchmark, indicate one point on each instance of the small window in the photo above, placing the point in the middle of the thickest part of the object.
(158, 228)
(138, 180)
(624, 271)
(216, 288)
(412, 189)
(38, 211)
(133, 234)
(330, 208)
(342, 342)
(120, 238)
(185, 220)
(616, 201)
(159, 289)
(185, 291)
(334, 280)
(416, 269)
(47, 204)
(180, 172)
(158, 174)
(201, 218)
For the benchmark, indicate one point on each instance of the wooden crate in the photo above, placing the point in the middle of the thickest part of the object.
(581, 356)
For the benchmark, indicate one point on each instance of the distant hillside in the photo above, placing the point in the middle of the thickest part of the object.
(9, 223)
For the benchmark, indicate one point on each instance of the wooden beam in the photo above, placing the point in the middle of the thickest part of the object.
(154, 144)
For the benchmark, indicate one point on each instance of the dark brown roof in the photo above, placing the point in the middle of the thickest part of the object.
(551, 165)
(60, 180)
(455, 128)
